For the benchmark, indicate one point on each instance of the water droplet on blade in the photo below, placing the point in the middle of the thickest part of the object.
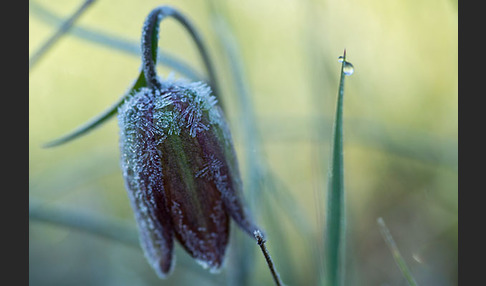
(348, 68)
(340, 59)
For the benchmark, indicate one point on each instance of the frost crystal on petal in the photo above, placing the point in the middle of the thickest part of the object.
(142, 170)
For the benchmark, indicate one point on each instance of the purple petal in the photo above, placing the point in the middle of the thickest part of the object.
(201, 223)
(142, 171)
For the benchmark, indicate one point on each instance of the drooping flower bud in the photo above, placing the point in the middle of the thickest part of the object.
(177, 157)
(181, 173)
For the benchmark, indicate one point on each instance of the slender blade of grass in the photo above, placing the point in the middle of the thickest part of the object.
(142, 79)
(265, 191)
(59, 33)
(243, 262)
(385, 232)
(109, 228)
(113, 229)
(114, 42)
(405, 143)
(336, 218)
(98, 120)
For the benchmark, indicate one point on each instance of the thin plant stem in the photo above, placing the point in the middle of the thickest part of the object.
(243, 263)
(148, 76)
(59, 33)
(385, 232)
(115, 42)
(261, 242)
(150, 43)
(266, 192)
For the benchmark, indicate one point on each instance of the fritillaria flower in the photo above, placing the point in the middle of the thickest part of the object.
(181, 173)
(179, 164)
(178, 161)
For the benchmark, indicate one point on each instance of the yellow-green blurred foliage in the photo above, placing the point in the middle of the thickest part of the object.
(400, 130)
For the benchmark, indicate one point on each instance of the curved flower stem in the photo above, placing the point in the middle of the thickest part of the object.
(148, 76)
(113, 42)
(150, 43)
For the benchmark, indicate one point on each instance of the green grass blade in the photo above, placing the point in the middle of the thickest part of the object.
(242, 263)
(59, 33)
(114, 229)
(98, 120)
(385, 232)
(88, 126)
(336, 218)
(109, 228)
(267, 195)
(142, 79)
(114, 42)
(424, 147)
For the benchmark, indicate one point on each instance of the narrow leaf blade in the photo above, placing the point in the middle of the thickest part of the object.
(98, 120)
(336, 219)
(385, 232)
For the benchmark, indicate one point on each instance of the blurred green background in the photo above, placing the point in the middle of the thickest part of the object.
(401, 127)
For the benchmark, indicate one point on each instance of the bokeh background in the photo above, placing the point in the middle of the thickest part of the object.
(276, 62)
